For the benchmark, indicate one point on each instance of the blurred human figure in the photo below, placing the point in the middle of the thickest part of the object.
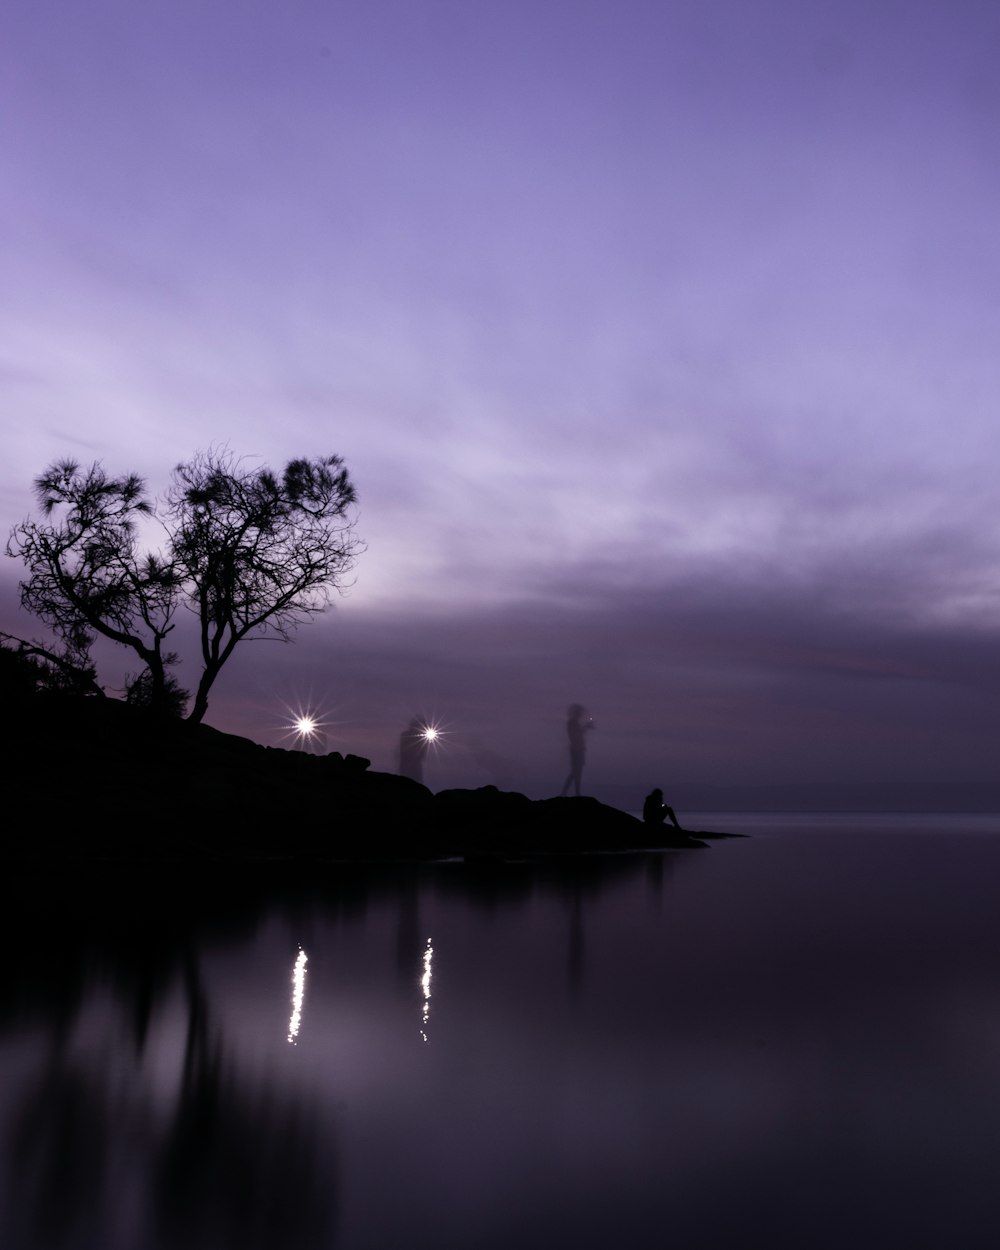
(413, 745)
(655, 811)
(577, 724)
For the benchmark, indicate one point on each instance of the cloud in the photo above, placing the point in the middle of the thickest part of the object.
(661, 348)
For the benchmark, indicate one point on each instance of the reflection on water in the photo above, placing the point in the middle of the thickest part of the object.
(298, 994)
(788, 1040)
(425, 985)
(132, 1120)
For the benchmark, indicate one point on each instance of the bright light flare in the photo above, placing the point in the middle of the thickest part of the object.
(307, 727)
(434, 735)
(425, 985)
(298, 995)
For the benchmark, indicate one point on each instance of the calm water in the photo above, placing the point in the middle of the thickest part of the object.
(790, 1040)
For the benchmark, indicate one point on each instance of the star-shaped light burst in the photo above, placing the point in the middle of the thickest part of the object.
(307, 727)
(434, 734)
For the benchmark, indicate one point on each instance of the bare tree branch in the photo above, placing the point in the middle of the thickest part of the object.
(251, 552)
(84, 575)
(259, 552)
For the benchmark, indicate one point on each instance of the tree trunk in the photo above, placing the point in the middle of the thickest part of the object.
(200, 705)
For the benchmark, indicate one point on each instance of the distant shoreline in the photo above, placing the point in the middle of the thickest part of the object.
(889, 798)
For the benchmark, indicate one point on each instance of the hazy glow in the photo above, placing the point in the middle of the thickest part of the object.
(431, 734)
(298, 994)
(425, 985)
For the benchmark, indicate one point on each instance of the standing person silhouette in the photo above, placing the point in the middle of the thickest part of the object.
(412, 749)
(577, 724)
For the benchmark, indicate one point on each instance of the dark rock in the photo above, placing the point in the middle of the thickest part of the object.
(97, 779)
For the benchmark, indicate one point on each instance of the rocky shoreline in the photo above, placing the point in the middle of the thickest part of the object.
(92, 779)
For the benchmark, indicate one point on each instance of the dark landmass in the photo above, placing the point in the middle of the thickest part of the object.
(92, 780)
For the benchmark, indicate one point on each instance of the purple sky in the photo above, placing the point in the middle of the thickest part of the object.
(661, 341)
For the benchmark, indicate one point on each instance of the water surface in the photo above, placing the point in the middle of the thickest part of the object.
(791, 1039)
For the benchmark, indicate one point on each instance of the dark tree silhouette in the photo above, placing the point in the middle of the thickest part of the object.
(30, 667)
(258, 551)
(248, 550)
(171, 698)
(86, 576)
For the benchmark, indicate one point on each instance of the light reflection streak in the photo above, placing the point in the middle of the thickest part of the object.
(425, 985)
(298, 994)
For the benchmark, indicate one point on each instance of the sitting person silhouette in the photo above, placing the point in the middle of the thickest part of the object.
(655, 811)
